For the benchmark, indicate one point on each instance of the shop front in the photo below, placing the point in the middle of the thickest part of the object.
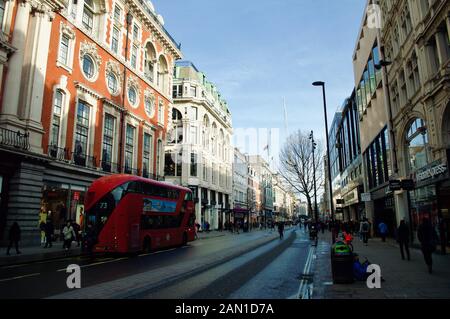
(352, 204)
(384, 210)
(61, 203)
(431, 198)
(241, 216)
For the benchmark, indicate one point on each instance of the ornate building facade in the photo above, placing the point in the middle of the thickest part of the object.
(199, 154)
(86, 92)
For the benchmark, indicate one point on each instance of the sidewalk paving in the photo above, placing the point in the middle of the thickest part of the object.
(403, 279)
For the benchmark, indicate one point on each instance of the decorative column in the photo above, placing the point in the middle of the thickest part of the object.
(13, 79)
(34, 73)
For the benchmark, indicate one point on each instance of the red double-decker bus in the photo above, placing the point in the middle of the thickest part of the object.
(132, 214)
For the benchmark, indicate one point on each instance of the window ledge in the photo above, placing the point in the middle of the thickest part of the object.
(63, 66)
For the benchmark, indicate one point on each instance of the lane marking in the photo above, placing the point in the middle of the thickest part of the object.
(43, 262)
(20, 277)
(303, 284)
(110, 260)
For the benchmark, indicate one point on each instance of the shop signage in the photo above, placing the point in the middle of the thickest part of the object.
(431, 171)
(351, 197)
(395, 185)
(408, 184)
(366, 197)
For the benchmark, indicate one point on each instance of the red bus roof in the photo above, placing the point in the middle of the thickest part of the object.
(100, 187)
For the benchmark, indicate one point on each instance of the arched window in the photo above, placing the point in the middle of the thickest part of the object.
(149, 61)
(163, 74)
(177, 132)
(417, 145)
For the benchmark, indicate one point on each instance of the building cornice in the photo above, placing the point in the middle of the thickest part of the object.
(140, 10)
(83, 88)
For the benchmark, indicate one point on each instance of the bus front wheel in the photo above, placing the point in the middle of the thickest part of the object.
(147, 245)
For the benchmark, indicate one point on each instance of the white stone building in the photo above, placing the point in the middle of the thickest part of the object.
(199, 154)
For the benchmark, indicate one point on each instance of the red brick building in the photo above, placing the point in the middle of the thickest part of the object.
(85, 91)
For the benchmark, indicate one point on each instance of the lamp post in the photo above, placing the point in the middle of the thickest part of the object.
(322, 84)
(313, 144)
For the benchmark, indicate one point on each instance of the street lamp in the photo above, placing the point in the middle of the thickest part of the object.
(313, 144)
(322, 84)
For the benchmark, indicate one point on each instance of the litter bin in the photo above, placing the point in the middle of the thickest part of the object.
(342, 263)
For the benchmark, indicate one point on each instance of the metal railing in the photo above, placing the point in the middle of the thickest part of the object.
(58, 153)
(84, 160)
(14, 138)
(110, 167)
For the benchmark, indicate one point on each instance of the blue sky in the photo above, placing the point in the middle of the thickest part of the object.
(260, 51)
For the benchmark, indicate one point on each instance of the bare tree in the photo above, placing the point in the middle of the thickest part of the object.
(296, 165)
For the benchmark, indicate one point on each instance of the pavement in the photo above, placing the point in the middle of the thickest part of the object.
(39, 253)
(403, 279)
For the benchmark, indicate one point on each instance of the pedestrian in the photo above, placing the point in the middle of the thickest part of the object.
(383, 230)
(364, 230)
(49, 232)
(69, 235)
(442, 232)
(14, 238)
(403, 239)
(77, 230)
(281, 229)
(42, 229)
(428, 240)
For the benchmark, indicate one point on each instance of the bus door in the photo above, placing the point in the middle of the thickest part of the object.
(135, 236)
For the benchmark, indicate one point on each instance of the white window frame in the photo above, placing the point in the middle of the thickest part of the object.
(67, 31)
(149, 131)
(107, 109)
(61, 86)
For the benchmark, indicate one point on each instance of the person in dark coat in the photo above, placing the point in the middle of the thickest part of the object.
(281, 229)
(49, 232)
(403, 239)
(14, 238)
(427, 237)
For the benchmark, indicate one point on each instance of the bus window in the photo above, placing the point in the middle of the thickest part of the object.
(188, 196)
(100, 212)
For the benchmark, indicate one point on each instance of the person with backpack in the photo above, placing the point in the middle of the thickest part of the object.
(364, 230)
(383, 230)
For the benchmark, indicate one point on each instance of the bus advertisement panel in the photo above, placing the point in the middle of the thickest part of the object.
(152, 205)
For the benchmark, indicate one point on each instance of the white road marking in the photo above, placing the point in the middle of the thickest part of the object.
(20, 277)
(110, 260)
(303, 288)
